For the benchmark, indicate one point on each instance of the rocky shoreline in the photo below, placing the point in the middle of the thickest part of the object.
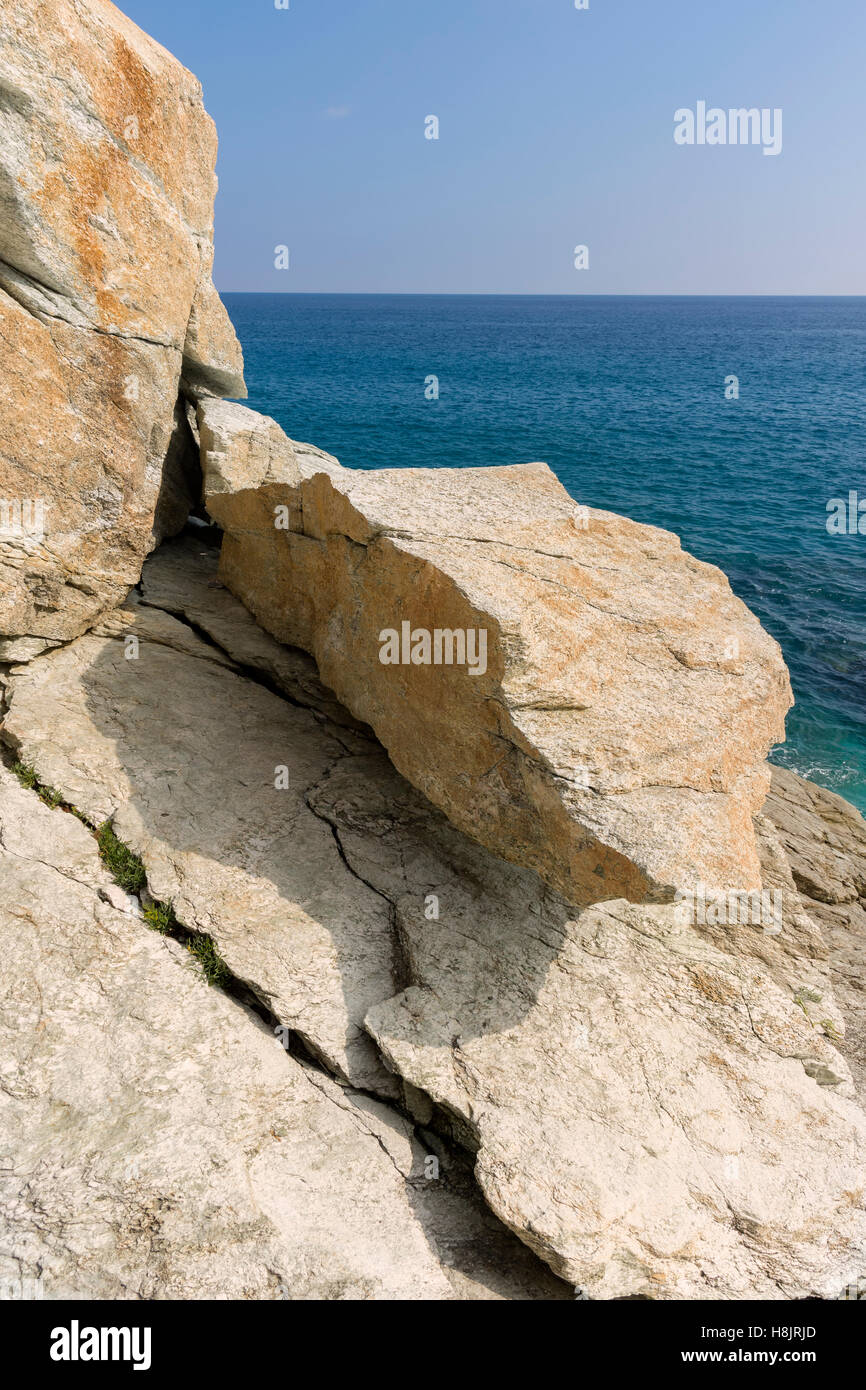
(335, 977)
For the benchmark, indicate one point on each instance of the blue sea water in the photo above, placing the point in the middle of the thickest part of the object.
(624, 399)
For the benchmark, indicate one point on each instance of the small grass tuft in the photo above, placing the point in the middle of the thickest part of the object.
(160, 916)
(128, 872)
(27, 777)
(47, 795)
(125, 867)
(215, 970)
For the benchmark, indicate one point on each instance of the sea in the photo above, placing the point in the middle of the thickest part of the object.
(738, 423)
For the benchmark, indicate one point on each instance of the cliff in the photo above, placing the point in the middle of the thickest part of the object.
(395, 899)
(106, 302)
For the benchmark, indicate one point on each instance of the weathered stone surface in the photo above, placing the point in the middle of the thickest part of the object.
(667, 1151)
(782, 934)
(106, 245)
(652, 1110)
(824, 837)
(183, 754)
(655, 1105)
(654, 1115)
(825, 840)
(247, 451)
(181, 578)
(615, 740)
(158, 1142)
(23, 648)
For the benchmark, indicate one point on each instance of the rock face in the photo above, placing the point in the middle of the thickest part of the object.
(652, 1108)
(635, 1097)
(825, 840)
(214, 801)
(608, 721)
(165, 1144)
(633, 1091)
(106, 303)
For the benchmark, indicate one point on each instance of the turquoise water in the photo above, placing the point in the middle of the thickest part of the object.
(624, 398)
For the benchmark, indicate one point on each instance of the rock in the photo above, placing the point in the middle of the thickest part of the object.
(825, 840)
(158, 1142)
(246, 451)
(781, 934)
(501, 967)
(844, 928)
(106, 303)
(205, 775)
(181, 578)
(656, 1116)
(651, 1115)
(652, 1110)
(24, 648)
(612, 732)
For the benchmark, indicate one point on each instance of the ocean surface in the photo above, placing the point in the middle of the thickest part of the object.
(624, 398)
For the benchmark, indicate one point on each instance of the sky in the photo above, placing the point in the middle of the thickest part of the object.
(556, 130)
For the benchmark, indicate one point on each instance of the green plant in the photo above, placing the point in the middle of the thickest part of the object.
(216, 972)
(160, 916)
(125, 867)
(27, 777)
(47, 795)
(128, 872)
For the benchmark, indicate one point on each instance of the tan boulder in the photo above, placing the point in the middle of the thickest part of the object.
(106, 303)
(608, 722)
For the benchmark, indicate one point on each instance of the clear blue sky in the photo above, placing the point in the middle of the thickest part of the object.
(556, 128)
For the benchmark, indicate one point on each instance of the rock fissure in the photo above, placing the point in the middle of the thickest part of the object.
(10, 283)
(297, 1054)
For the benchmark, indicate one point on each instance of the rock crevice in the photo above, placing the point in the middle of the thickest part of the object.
(169, 1183)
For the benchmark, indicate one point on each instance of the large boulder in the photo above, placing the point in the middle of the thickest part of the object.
(106, 304)
(655, 1118)
(608, 722)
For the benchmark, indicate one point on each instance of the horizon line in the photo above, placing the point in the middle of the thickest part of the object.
(536, 294)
